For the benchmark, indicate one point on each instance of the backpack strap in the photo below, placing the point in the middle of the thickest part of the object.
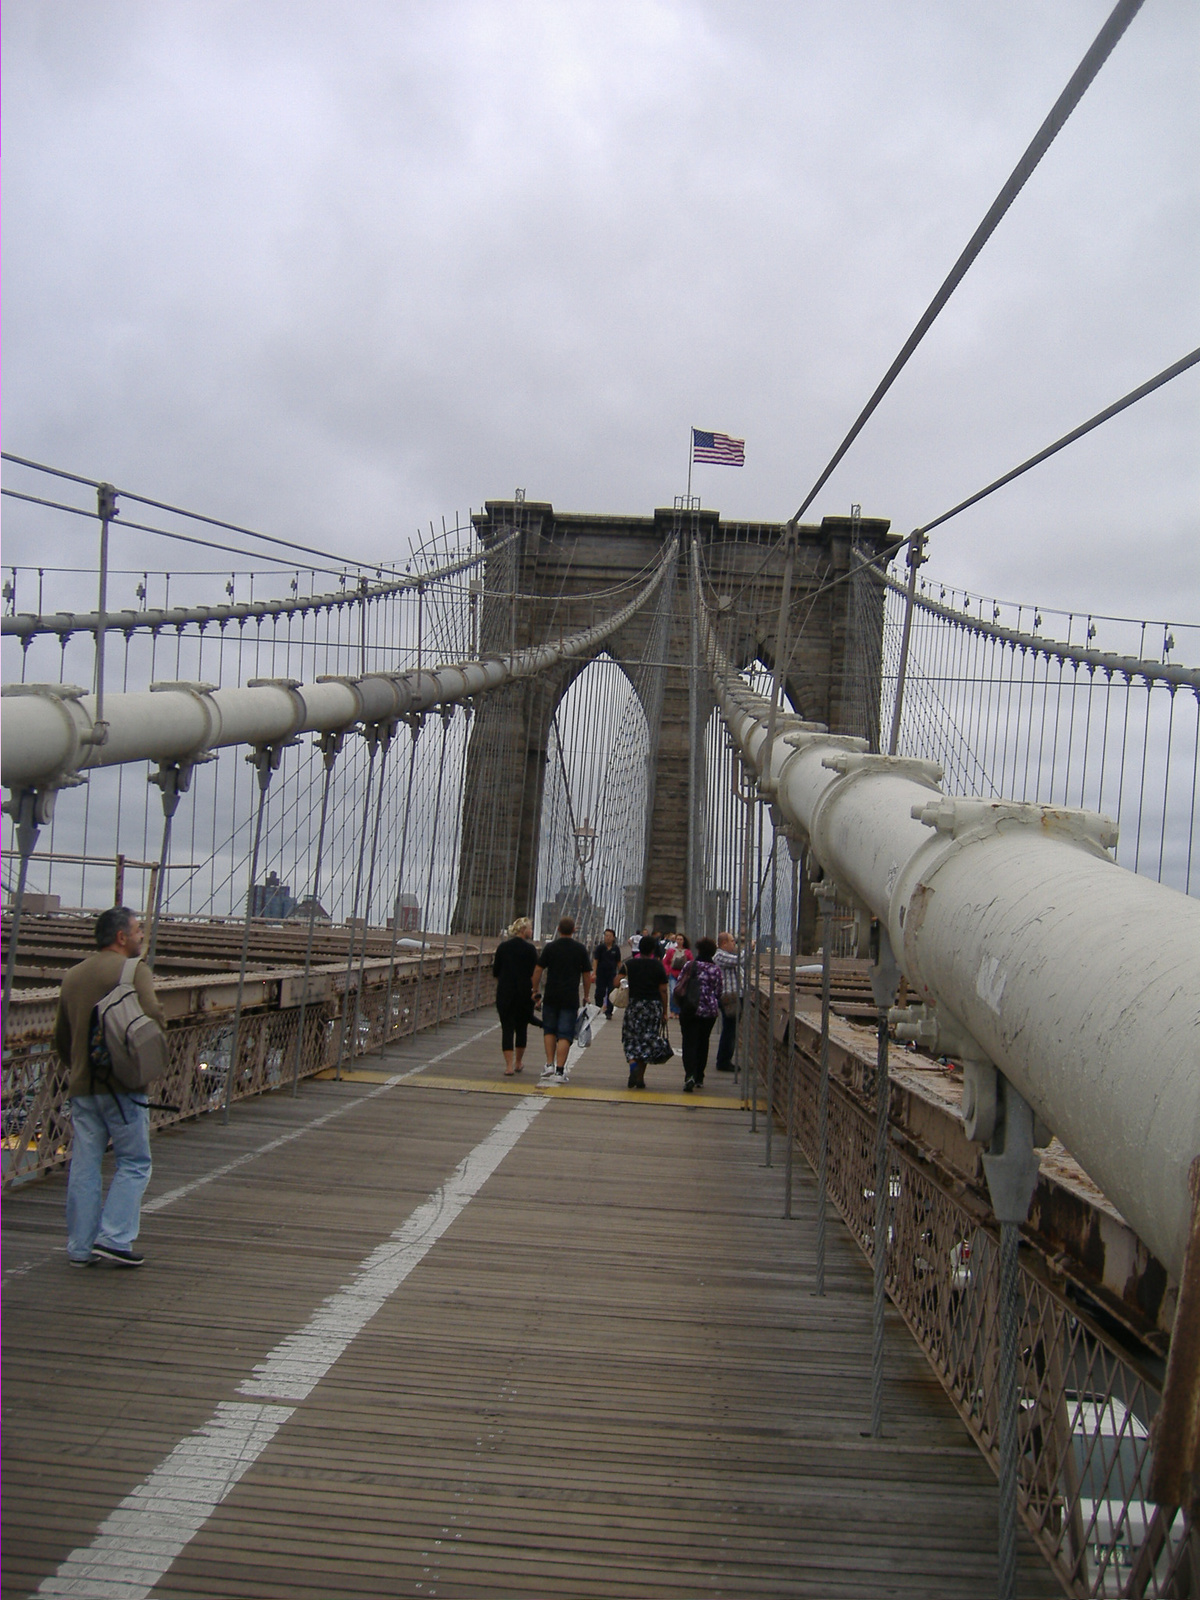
(129, 968)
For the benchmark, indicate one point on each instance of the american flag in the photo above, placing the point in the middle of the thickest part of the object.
(718, 448)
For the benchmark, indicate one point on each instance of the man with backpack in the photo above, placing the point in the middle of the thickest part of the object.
(100, 1109)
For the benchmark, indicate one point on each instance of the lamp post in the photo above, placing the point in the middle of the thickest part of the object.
(585, 846)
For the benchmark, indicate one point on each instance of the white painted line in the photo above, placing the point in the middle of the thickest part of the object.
(297, 1365)
(137, 1544)
(134, 1546)
(163, 1200)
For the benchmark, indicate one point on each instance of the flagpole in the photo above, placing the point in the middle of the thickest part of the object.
(691, 453)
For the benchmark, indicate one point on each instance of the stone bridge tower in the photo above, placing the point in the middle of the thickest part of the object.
(564, 555)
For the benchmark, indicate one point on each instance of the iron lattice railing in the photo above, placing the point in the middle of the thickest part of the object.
(36, 1115)
(1086, 1403)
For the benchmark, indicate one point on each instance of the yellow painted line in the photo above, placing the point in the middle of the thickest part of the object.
(354, 1077)
(570, 1091)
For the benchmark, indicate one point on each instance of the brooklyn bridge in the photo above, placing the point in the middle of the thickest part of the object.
(906, 1278)
(904, 1300)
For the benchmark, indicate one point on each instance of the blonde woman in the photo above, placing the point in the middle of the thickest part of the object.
(512, 968)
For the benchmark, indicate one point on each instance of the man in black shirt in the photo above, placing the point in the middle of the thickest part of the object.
(563, 961)
(606, 958)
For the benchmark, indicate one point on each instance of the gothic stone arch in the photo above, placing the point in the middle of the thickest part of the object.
(564, 555)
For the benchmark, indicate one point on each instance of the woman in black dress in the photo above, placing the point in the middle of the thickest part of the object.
(646, 1014)
(512, 967)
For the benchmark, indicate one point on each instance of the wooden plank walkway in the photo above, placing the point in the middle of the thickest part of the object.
(607, 1377)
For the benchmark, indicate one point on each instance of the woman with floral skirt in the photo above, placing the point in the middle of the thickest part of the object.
(645, 1017)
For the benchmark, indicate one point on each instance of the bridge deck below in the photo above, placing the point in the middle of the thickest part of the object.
(607, 1376)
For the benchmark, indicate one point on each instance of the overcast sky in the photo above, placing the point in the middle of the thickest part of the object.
(336, 269)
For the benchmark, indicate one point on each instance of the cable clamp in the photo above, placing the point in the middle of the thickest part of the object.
(964, 819)
(847, 763)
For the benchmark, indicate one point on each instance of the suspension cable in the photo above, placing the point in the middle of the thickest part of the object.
(178, 511)
(1102, 46)
(1068, 438)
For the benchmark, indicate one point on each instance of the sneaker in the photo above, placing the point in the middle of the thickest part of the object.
(688, 1085)
(548, 1072)
(562, 1077)
(81, 1261)
(119, 1258)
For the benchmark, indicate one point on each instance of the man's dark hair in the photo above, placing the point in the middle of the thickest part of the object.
(111, 923)
(613, 931)
(566, 925)
(648, 944)
(706, 949)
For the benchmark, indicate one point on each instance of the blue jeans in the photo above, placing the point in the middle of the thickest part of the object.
(97, 1118)
(559, 1020)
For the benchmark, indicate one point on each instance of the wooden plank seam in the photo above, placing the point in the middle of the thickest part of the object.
(140, 1540)
(168, 1199)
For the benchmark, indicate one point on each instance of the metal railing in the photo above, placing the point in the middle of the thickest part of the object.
(36, 1135)
(1087, 1400)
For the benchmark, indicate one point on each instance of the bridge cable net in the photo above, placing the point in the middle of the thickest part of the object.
(349, 866)
(1085, 1391)
(597, 808)
(1076, 710)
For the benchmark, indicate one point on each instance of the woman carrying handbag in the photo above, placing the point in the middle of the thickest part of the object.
(644, 1025)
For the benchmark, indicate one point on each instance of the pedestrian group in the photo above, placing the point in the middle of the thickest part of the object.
(660, 978)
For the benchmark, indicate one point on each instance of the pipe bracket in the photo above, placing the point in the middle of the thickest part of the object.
(846, 762)
(967, 819)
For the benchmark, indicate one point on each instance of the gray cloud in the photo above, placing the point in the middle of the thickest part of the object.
(337, 270)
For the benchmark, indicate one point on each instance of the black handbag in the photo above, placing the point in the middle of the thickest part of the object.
(660, 1051)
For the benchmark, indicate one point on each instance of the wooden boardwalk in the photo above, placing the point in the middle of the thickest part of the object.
(607, 1375)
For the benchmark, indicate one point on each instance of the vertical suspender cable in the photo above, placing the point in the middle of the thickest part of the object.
(371, 734)
(415, 726)
(330, 744)
(453, 880)
(265, 761)
(437, 811)
(387, 734)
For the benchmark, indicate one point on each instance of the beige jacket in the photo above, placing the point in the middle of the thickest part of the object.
(82, 988)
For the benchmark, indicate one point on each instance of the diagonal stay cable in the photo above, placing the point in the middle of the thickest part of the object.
(195, 516)
(163, 533)
(1102, 46)
(884, 557)
(1069, 438)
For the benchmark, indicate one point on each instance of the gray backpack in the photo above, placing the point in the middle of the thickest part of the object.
(127, 1049)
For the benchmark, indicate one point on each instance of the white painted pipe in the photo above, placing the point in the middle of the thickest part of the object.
(49, 732)
(1077, 978)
